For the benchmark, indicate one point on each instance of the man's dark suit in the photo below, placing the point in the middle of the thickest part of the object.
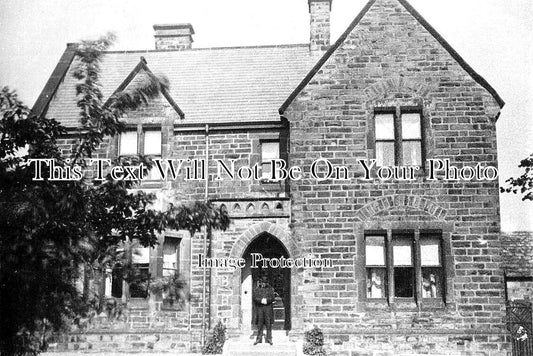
(265, 312)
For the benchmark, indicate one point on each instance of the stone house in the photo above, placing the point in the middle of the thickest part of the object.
(415, 263)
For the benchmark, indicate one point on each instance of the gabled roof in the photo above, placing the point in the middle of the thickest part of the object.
(50, 88)
(211, 85)
(478, 78)
(142, 65)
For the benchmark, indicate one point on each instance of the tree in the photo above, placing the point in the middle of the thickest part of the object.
(524, 183)
(49, 229)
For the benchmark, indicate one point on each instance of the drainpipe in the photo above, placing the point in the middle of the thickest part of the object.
(207, 230)
(206, 166)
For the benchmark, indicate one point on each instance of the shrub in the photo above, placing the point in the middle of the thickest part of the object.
(216, 340)
(314, 342)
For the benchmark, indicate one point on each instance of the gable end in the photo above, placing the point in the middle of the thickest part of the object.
(41, 104)
(142, 65)
(477, 78)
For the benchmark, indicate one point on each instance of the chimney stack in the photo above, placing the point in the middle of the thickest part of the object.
(173, 36)
(319, 11)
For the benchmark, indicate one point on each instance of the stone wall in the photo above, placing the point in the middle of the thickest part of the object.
(517, 253)
(390, 60)
(250, 203)
(517, 256)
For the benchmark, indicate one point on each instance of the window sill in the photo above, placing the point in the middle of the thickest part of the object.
(176, 306)
(271, 185)
(432, 304)
(151, 184)
(403, 304)
(137, 303)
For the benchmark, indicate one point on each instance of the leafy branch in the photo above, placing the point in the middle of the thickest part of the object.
(524, 183)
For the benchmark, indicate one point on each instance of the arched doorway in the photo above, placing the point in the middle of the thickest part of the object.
(268, 246)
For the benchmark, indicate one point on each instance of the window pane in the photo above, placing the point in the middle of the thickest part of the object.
(432, 282)
(411, 126)
(385, 153)
(128, 143)
(266, 169)
(139, 282)
(152, 142)
(269, 150)
(403, 282)
(384, 126)
(430, 251)
(412, 153)
(141, 255)
(376, 282)
(152, 174)
(116, 282)
(402, 249)
(170, 256)
(375, 250)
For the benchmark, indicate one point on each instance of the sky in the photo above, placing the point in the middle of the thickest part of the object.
(493, 36)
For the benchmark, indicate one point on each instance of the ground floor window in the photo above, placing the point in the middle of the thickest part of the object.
(141, 272)
(404, 264)
(117, 281)
(171, 256)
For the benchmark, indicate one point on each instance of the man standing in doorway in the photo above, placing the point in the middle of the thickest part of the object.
(263, 299)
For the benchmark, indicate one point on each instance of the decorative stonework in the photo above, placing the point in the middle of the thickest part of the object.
(395, 85)
(255, 208)
(409, 201)
(254, 231)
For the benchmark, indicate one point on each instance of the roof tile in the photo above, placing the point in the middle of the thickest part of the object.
(209, 85)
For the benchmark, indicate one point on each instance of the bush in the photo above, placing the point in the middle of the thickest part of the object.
(216, 340)
(314, 342)
(171, 288)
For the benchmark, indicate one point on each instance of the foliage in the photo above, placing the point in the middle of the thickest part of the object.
(48, 229)
(314, 342)
(216, 340)
(41, 234)
(524, 183)
(170, 287)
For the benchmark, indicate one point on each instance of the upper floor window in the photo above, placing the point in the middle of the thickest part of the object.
(152, 143)
(398, 134)
(269, 151)
(142, 142)
(146, 143)
(128, 144)
(404, 264)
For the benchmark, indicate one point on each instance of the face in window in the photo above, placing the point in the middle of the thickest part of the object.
(375, 266)
(430, 254)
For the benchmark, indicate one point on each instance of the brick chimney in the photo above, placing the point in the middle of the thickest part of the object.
(319, 11)
(173, 36)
